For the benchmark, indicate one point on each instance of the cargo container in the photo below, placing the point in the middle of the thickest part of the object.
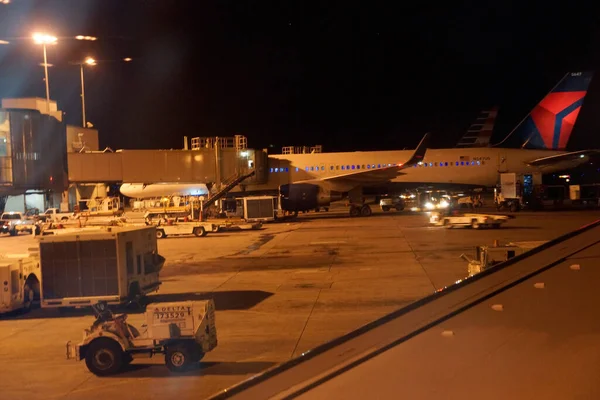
(115, 265)
(258, 208)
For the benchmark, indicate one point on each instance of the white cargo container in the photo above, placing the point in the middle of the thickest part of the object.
(258, 208)
(113, 265)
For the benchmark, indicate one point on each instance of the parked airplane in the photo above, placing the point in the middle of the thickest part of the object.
(309, 181)
(141, 191)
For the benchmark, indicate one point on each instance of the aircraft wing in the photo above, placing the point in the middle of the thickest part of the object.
(384, 174)
(564, 157)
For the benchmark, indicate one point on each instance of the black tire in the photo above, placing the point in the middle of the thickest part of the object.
(200, 231)
(179, 357)
(160, 234)
(365, 211)
(354, 211)
(399, 208)
(104, 357)
(28, 296)
(496, 226)
(385, 208)
(447, 223)
(13, 232)
(514, 207)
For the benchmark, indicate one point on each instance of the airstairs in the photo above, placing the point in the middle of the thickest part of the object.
(229, 184)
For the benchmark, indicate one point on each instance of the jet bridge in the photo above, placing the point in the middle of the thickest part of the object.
(526, 328)
(209, 160)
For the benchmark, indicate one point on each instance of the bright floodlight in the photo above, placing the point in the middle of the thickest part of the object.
(81, 37)
(41, 38)
(127, 59)
(90, 61)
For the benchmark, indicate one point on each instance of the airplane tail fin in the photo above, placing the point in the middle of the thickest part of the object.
(550, 124)
(480, 132)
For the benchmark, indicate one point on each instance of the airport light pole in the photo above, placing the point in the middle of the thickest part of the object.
(87, 61)
(45, 39)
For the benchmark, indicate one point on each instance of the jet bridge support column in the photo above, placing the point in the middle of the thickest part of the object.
(357, 203)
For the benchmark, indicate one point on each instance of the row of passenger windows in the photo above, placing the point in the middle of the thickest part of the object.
(375, 166)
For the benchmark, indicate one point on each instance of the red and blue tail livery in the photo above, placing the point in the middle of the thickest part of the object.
(550, 124)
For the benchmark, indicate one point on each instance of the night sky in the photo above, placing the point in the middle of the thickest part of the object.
(347, 75)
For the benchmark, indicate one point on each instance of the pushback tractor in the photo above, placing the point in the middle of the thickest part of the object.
(183, 331)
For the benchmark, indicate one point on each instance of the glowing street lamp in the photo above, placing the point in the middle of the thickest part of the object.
(81, 37)
(45, 39)
(87, 61)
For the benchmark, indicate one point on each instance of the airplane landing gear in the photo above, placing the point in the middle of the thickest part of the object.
(360, 211)
(357, 204)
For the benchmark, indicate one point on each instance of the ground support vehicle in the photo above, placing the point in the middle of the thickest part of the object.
(54, 214)
(199, 229)
(488, 256)
(115, 264)
(232, 224)
(182, 331)
(475, 221)
(14, 223)
(19, 283)
(387, 203)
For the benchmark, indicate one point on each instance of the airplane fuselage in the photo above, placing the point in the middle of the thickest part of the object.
(470, 166)
(141, 191)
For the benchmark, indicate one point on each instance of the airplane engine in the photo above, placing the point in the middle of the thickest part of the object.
(306, 196)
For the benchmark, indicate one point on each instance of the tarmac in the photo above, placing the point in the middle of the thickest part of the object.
(279, 291)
